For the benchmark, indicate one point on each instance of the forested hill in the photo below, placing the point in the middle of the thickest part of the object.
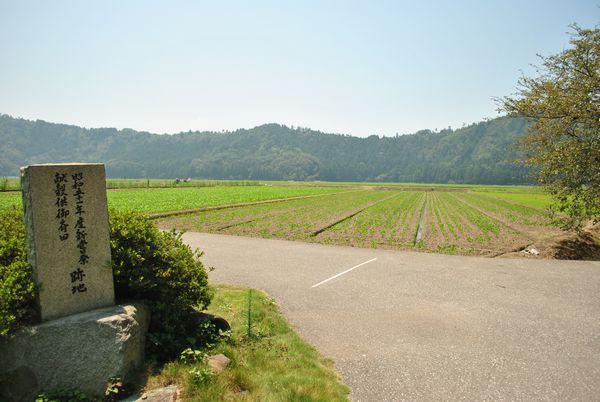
(480, 153)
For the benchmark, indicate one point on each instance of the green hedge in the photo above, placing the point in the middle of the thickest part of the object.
(17, 290)
(159, 268)
(148, 265)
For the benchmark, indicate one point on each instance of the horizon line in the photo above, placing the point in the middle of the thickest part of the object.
(291, 127)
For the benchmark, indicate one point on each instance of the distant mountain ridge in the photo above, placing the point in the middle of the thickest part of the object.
(482, 153)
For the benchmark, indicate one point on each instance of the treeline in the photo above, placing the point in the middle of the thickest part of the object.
(482, 153)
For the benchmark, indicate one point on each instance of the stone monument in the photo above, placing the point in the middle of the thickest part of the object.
(85, 339)
(68, 245)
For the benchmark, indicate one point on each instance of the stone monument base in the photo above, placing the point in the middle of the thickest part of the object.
(79, 351)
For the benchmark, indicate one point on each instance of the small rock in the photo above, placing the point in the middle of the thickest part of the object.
(165, 394)
(218, 363)
(531, 251)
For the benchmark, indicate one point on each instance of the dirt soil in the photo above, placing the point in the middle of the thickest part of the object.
(566, 246)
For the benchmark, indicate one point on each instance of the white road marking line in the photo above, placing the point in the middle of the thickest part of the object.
(342, 273)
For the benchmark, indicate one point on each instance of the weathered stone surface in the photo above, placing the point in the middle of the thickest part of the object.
(218, 363)
(66, 221)
(83, 351)
(166, 394)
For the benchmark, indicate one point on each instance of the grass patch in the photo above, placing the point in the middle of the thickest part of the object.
(271, 364)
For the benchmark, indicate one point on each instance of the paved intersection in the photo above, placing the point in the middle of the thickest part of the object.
(412, 326)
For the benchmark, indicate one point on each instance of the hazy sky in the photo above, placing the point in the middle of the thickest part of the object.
(360, 68)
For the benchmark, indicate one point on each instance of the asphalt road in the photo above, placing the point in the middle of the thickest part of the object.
(429, 327)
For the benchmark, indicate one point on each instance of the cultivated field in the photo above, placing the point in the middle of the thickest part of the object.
(469, 220)
(155, 200)
(466, 222)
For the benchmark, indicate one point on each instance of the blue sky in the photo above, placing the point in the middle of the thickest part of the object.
(360, 68)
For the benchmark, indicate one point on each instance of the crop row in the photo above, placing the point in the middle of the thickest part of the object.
(509, 210)
(221, 219)
(392, 222)
(294, 219)
(449, 224)
(452, 222)
(453, 225)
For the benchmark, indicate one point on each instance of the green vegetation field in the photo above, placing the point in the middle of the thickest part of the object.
(530, 199)
(155, 200)
(466, 219)
(472, 221)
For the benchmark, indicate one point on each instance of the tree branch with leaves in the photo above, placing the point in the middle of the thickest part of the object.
(563, 144)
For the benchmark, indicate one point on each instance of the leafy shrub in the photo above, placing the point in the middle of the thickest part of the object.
(148, 264)
(159, 268)
(200, 375)
(190, 356)
(17, 290)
